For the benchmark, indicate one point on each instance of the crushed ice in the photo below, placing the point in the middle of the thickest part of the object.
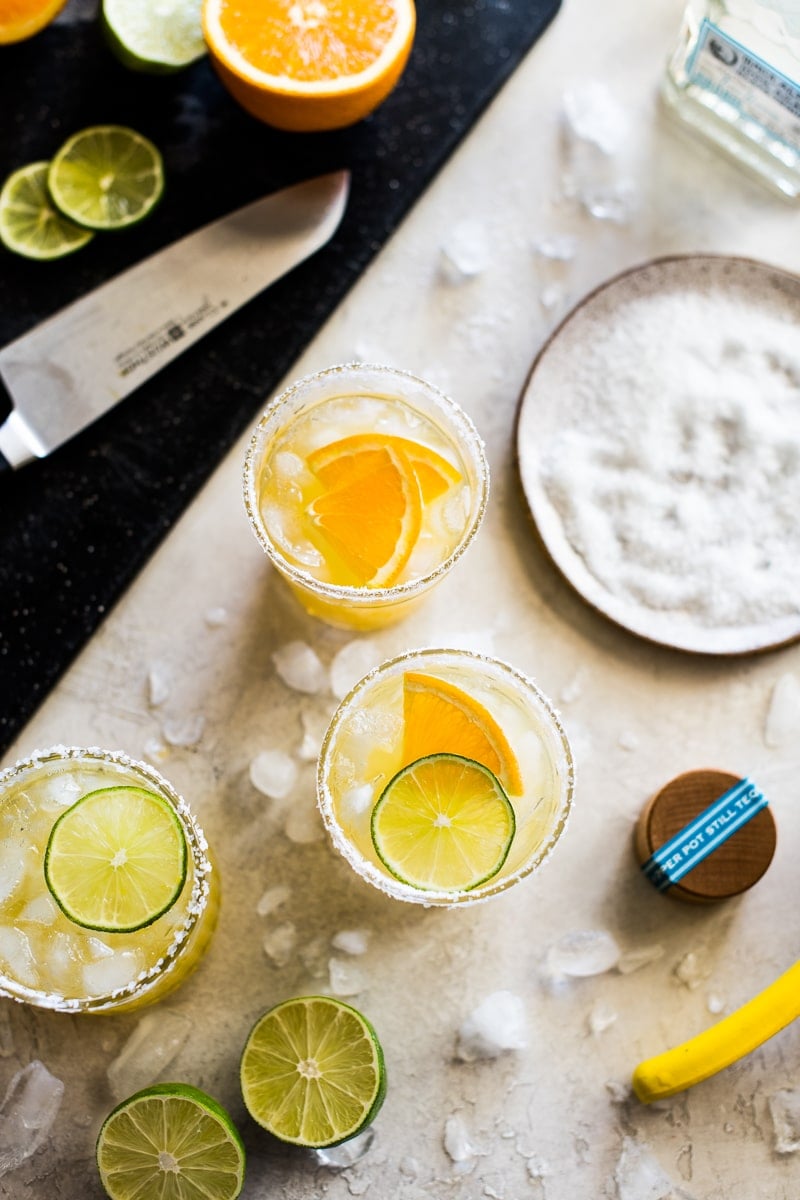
(557, 247)
(457, 1143)
(158, 686)
(784, 1109)
(691, 970)
(183, 732)
(346, 979)
(596, 133)
(582, 953)
(497, 1025)
(601, 1017)
(351, 941)
(300, 668)
(465, 252)
(273, 898)
(280, 942)
(639, 1176)
(151, 1047)
(336, 1158)
(27, 1113)
(216, 617)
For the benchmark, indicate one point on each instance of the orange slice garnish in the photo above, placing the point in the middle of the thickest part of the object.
(335, 461)
(440, 718)
(309, 64)
(367, 520)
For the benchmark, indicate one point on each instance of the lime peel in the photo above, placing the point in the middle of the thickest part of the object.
(30, 224)
(153, 36)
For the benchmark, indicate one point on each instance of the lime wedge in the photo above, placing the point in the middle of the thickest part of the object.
(116, 860)
(29, 223)
(171, 1141)
(156, 36)
(106, 177)
(443, 823)
(312, 1072)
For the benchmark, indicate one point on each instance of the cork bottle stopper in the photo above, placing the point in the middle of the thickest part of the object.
(733, 865)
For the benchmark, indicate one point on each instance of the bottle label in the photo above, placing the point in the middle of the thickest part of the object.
(758, 92)
(704, 834)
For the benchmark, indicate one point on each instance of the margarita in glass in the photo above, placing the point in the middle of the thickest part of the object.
(364, 485)
(57, 961)
(445, 777)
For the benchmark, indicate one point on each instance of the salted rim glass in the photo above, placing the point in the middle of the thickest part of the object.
(543, 719)
(353, 379)
(182, 939)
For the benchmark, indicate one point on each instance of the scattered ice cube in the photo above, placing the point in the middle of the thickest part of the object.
(29, 1108)
(314, 956)
(559, 247)
(465, 252)
(497, 1024)
(639, 1176)
(584, 952)
(634, 960)
(6, 1033)
(592, 114)
(107, 975)
(351, 941)
(280, 942)
(628, 740)
(41, 910)
(552, 296)
(691, 970)
(183, 732)
(714, 1003)
(273, 898)
(346, 978)
(619, 1092)
(408, 1166)
(784, 1108)
(783, 715)
(273, 773)
(215, 617)
(351, 663)
(303, 823)
(149, 1050)
(300, 668)
(16, 954)
(615, 202)
(349, 1153)
(13, 860)
(158, 686)
(314, 726)
(155, 750)
(457, 1142)
(601, 1017)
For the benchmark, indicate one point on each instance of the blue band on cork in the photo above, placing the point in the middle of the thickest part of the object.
(704, 834)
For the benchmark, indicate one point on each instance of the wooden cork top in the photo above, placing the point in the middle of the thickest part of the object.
(733, 865)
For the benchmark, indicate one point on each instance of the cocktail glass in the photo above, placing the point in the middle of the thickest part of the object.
(363, 750)
(357, 401)
(49, 961)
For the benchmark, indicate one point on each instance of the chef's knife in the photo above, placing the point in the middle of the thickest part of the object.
(73, 367)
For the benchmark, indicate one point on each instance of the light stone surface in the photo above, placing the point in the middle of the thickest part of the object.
(550, 1120)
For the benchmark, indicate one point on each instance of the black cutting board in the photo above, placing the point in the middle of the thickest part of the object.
(76, 527)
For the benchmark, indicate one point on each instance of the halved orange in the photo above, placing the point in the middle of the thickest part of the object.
(434, 473)
(20, 19)
(308, 65)
(368, 521)
(440, 718)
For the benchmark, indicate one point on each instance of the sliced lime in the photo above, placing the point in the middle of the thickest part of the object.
(116, 860)
(29, 222)
(106, 177)
(443, 823)
(312, 1072)
(171, 1141)
(156, 36)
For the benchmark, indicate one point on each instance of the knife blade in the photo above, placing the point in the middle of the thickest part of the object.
(70, 369)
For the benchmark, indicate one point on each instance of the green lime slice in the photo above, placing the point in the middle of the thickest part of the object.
(156, 36)
(30, 224)
(312, 1072)
(106, 177)
(171, 1141)
(443, 823)
(116, 860)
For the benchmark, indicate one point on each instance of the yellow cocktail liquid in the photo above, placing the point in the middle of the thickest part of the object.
(46, 959)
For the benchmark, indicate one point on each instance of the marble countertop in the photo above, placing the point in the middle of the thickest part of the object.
(553, 1119)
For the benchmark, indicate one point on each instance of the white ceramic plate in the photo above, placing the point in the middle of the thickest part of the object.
(554, 400)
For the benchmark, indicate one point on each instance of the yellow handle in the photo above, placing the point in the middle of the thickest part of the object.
(731, 1038)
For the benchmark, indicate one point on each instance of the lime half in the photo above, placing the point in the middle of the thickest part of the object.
(106, 177)
(116, 860)
(156, 36)
(443, 823)
(312, 1072)
(171, 1141)
(30, 224)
